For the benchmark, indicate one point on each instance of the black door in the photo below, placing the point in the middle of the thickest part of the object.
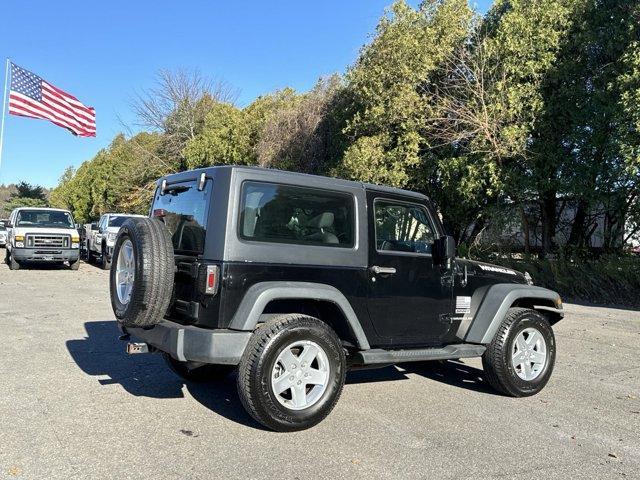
(409, 296)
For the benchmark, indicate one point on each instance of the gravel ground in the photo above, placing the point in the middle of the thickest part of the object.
(74, 405)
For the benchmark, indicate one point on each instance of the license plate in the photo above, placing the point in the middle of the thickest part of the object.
(47, 258)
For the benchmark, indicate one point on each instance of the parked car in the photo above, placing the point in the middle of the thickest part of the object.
(100, 237)
(293, 279)
(42, 235)
(3, 234)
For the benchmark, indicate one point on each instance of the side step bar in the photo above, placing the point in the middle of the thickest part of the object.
(450, 352)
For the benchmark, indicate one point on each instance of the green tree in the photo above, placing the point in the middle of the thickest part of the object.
(225, 139)
(26, 190)
(26, 195)
(391, 89)
(25, 202)
(233, 136)
(580, 144)
(388, 120)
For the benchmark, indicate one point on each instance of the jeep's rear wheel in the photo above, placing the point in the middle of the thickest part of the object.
(519, 360)
(203, 373)
(292, 373)
(141, 280)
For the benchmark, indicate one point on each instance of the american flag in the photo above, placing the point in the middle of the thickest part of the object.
(31, 96)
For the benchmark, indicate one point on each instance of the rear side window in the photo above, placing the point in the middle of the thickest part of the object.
(183, 209)
(298, 215)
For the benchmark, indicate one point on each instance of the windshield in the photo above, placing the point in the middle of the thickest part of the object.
(44, 219)
(117, 221)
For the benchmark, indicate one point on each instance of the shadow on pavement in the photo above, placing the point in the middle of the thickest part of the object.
(371, 375)
(452, 372)
(43, 266)
(101, 354)
(92, 264)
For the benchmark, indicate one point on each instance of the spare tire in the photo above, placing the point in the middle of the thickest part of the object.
(142, 273)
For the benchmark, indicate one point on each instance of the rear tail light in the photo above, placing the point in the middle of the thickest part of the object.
(211, 280)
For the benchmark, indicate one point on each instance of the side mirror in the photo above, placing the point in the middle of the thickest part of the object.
(8, 224)
(444, 250)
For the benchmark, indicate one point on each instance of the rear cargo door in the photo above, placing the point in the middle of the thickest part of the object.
(183, 207)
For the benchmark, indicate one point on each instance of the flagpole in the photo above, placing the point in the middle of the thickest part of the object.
(4, 106)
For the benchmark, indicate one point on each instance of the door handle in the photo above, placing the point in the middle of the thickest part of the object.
(383, 270)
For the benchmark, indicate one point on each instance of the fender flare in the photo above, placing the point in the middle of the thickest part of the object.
(489, 311)
(259, 295)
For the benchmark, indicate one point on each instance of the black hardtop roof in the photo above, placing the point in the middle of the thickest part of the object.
(284, 176)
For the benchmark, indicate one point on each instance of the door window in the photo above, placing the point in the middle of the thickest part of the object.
(402, 227)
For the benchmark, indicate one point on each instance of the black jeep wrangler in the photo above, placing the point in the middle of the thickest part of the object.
(293, 279)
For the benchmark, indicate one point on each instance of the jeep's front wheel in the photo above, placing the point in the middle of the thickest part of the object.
(292, 373)
(519, 360)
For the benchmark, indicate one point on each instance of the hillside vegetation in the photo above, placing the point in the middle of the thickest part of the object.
(532, 107)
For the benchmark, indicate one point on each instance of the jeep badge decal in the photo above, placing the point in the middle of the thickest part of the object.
(491, 268)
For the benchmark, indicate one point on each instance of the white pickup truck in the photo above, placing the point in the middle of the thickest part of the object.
(3, 234)
(100, 237)
(43, 235)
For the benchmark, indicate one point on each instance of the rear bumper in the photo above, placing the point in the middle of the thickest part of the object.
(44, 255)
(188, 343)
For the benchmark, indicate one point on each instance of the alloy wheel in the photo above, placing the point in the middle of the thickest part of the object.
(125, 272)
(529, 354)
(300, 375)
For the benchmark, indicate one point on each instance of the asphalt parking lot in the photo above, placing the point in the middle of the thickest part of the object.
(74, 405)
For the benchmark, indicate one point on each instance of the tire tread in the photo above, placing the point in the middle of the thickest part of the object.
(495, 368)
(247, 370)
(151, 296)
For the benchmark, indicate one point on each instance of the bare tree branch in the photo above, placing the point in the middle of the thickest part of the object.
(177, 105)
